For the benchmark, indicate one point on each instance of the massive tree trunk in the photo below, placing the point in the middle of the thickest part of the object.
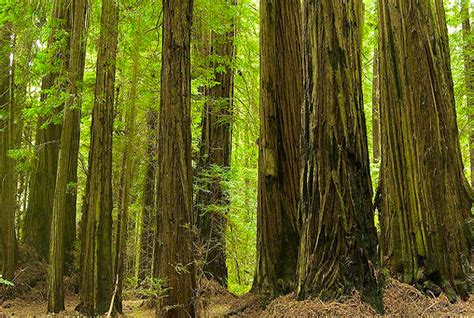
(468, 54)
(376, 108)
(48, 134)
(67, 151)
(96, 272)
(338, 248)
(281, 86)
(148, 218)
(126, 178)
(425, 199)
(281, 82)
(215, 155)
(174, 241)
(7, 164)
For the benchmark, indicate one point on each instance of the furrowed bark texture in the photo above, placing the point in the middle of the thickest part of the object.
(281, 82)
(215, 151)
(338, 238)
(60, 227)
(48, 134)
(7, 164)
(174, 245)
(425, 200)
(468, 55)
(96, 272)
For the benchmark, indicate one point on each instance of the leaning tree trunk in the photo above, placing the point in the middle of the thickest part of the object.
(48, 134)
(338, 248)
(215, 152)
(96, 272)
(468, 54)
(126, 178)
(425, 199)
(69, 137)
(376, 108)
(173, 261)
(281, 82)
(7, 164)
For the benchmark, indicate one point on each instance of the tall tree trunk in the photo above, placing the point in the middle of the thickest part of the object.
(215, 152)
(7, 164)
(67, 151)
(149, 205)
(174, 242)
(425, 199)
(96, 272)
(281, 86)
(468, 54)
(126, 177)
(48, 134)
(376, 108)
(338, 248)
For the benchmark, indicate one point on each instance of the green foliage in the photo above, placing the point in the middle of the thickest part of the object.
(6, 282)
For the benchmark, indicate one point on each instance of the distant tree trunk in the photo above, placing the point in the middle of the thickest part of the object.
(215, 152)
(338, 250)
(7, 164)
(48, 135)
(425, 199)
(376, 108)
(468, 54)
(126, 177)
(149, 205)
(96, 272)
(281, 82)
(67, 150)
(173, 261)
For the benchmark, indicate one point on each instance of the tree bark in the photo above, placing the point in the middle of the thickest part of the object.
(425, 199)
(67, 152)
(126, 177)
(174, 242)
(281, 86)
(212, 200)
(48, 134)
(376, 108)
(338, 250)
(149, 214)
(468, 55)
(7, 164)
(96, 272)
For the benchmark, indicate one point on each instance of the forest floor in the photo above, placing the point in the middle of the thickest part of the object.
(215, 301)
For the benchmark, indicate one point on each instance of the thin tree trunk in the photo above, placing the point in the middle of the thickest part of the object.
(338, 250)
(376, 108)
(126, 177)
(149, 205)
(215, 152)
(67, 148)
(7, 164)
(174, 242)
(281, 83)
(425, 199)
(48, 135)
(96, 272)
(468, 54)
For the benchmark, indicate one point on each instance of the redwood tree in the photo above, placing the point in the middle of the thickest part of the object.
(96, 254)
(7, 164)
(425, 200)
(48, 133)
(67, 151)
(338, 250)
(215, 152)
(173, 261)
(281, 86)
